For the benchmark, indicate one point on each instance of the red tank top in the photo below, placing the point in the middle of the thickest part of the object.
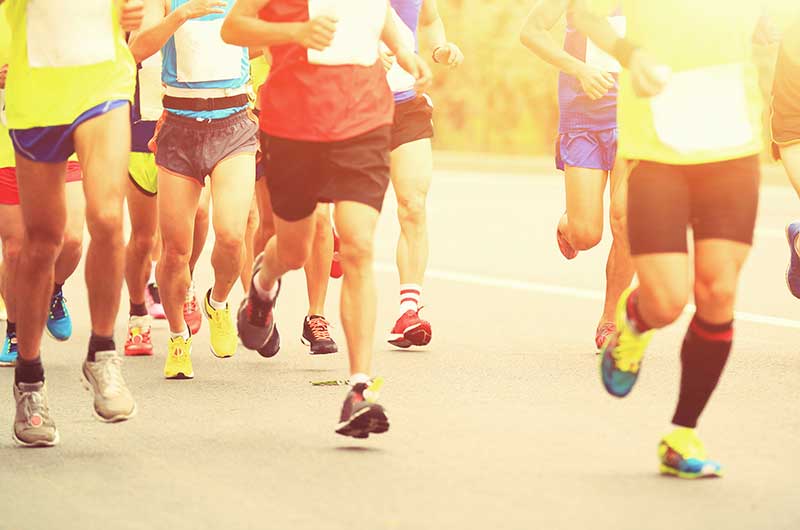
(303, 101)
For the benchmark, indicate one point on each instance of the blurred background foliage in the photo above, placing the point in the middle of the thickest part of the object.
(503, 99)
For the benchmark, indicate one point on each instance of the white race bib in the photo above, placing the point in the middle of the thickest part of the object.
(400, 80)
(358, 31)
(705, 109)
(600, 59)
(203, 56)
(150, 88)
(64, 34)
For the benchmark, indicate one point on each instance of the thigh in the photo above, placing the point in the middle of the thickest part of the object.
(11, 227)
(619, 188)
(664, 277)
(177, 205)
(724, 198)
(42, 196)
(412, 168)
(584, 190)
(718, 260)
(295, 177)
(658, 209)
(76, 210)
(355, 224)
(232, 186)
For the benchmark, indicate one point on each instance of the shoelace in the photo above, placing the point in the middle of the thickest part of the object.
(319, 328)
(627, 353)
(190, 305)
(33, 404)
(110, 378)
(57, 309)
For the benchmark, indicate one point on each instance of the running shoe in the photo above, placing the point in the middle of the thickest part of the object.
(255, 319)
(191, 311)
(361, 415)
(9, 353)
(563, 245)
(179, 359)
(604, 331)
(113, 401)
(273, 345)
(622, 353)
(410, 330)
(336, 264)
(59, 323)
(152, 300)
(3, 311)
(793, 271)
(317, 336)
(33, 426)
(139, 342)
(223, 333)
(682, 454)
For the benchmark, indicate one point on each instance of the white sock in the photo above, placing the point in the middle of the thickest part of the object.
(359, 378)
(152, 273)
(262, 292)
(410, 295)
(217, 305)
(185, 334)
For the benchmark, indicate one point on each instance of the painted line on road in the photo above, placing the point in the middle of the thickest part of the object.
(586, 294)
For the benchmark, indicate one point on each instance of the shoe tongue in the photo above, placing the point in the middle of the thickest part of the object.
(104, 355)
(30, 387)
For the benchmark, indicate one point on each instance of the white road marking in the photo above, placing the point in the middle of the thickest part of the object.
(586, 294)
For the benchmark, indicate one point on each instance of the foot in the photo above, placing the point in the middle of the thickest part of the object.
(317, 336)
(152, 300)
(622, 353)
(223, 333)
(139, 342)
(683, 455)
(255, 319)
(179, 359)
(8, 355)
(191, 312)
(33, 426)
(361, 415)
(563, 245)
(336, 264)
(103, 378)
(273, 345)
(410, 330)
(59, 323)
(793, 272)
(604, 331)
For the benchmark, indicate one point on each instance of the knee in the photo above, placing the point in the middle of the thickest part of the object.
(175, 256)
(411, 208)
(228, 245)
(294, 255)
(143, 244)
(718, 291)
(584, 236)
(356, 252)
(11, 248)
(105, 225)
(73, 243)
(666, 308)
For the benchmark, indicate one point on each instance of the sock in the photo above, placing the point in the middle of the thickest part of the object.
(410, 295)
(152, 279)
(186, 334)
(138, 310)
(703, 356)
(11, 328)
(634, 316)
(215, 304)
(57, 288)
(29, 371)
(359, 378)
(263, 293)
(98, 343)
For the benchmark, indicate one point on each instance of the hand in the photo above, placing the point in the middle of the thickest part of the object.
(767, 32)
(201, 8)
(414, 65)
(449, 54)
(317, 33)
(131, 15)
(649, 78)
(387, 58)
(595, 82)
(3, 75)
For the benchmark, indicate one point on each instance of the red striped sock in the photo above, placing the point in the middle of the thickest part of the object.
(410, 295)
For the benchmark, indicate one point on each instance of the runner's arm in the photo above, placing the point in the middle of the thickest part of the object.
(535, 35)
(594, 26)
(243, 27)
(431, 30)
(406, 58)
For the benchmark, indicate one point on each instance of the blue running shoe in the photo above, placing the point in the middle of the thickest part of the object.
(793, 272)
(8, 356)
(682, 454)
(59, 323)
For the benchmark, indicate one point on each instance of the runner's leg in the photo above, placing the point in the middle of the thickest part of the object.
(72, 249)
(318, 266)
(582, 223)
(143, 213)
(619, 268)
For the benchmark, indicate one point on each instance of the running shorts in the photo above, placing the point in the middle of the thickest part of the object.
(143, 173)
(301, 174)
(587, 149)
(192, 148)
(9, 191)
(412, 121)
(56, 143)
(717, 200)
(785, 121)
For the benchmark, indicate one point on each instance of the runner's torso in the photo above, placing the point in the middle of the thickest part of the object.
(199, 63)
(6, 148)
(78, 47)
(324, 102)
(147, 107)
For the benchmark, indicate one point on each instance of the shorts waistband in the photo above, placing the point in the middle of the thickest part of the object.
(203, 125)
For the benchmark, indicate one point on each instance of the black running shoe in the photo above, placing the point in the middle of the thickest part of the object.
(360, 417)
(273, 345)
(317, 336)
(255, 321)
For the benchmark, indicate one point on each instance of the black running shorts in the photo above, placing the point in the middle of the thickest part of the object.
(412, 121)
(301, 174)
(718, 201)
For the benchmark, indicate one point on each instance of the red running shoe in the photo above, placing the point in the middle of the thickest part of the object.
(410, 330)
(192, 315)
(564, 246)
(604, 331)
(152, 299)
(138, 342)
(336, 266)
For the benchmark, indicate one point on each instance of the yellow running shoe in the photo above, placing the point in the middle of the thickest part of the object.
(179, 359)
(224, 340)
(683, 455)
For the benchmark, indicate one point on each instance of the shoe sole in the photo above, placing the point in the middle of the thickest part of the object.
(415, 335)
(9, 364)
(41, 443)
(306, 342)
(180, 376)
(369, 420)
(789, 267)
(115, 419)
(672, 472)
(270, 349)
(54, 337)
(138, 353)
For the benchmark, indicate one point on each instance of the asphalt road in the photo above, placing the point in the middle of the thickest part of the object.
(501, 423)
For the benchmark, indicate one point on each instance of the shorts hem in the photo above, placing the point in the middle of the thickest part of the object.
(180, 175)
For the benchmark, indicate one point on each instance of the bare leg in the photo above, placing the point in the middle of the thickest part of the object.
(318, 266)
(144, 227)
(72, 249)
(12, 233)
